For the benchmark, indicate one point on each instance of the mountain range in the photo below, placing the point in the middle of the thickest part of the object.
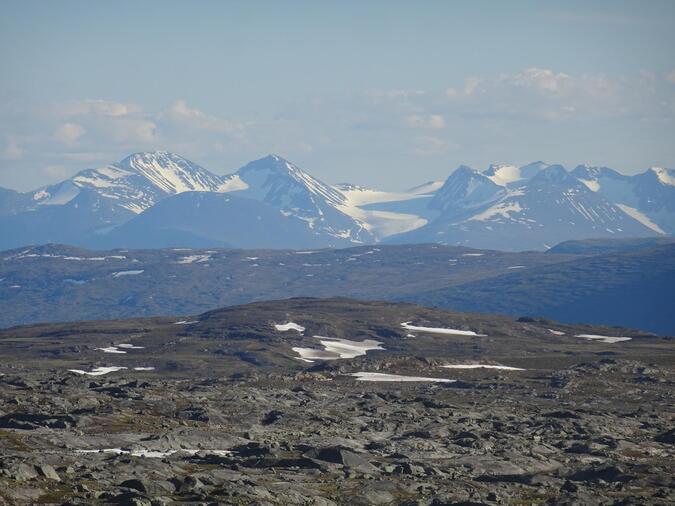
(159, 199)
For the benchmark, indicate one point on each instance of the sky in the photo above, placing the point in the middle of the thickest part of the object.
(380, 93)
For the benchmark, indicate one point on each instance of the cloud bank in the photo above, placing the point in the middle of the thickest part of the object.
(511, 113)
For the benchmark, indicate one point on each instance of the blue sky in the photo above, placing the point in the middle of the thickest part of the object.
(378, 93)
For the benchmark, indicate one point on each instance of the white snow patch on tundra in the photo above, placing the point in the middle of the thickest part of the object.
(97, 371)
(284, 327)
(436, 330)
(127, 273)
(482, 366)
(378, 376)
(157, 454)
(604, 339)
(335, 349)
(110, 349)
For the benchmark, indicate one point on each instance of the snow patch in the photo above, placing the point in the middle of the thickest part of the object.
(482, 366)
(157, 454)
(502, 175)
(127, 273)
(116, 348)
(437, 330)
(232, 184)
(335, 349)
(665, 176)
(591, 184)
(502, 209)
(193, 259)
(97, 371)
(378, 376)
(642, 218)
(604, 339)
(289, 326)
(110, 349)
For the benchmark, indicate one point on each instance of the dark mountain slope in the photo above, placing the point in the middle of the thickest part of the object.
(72, 223)
(636, 288)
(205, 219)
(603, 246)
(54, 283)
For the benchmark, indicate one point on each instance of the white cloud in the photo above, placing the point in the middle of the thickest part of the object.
(131, 130)
(106, 123)
(542, 94)
(471, 85)
(96, 107)
(430, 121)
(69, 133)
(545, 80)
(181, 114)
(670, 76)
(12, 150)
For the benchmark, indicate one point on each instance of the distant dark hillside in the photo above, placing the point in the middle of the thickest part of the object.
(61, 283)
(634, 289)
(600, 246)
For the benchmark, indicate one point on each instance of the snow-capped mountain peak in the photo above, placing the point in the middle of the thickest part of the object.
(283, 185)
(134, 184)
(593, 176)
(274, 178)
(554, 174)
(170, 173)
(465, 189)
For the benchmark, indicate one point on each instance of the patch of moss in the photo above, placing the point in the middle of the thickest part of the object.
(15, 439)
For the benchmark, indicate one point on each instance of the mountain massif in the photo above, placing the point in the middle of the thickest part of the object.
(159, 199)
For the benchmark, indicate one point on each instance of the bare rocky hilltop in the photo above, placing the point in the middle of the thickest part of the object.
(334, 401)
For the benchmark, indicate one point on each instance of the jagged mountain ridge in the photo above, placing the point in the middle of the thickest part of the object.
(136, 183)
(284, 186)
(648, 197)
(503, 207)
(533, 213)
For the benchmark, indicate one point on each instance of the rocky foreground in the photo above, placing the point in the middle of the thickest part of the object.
(218, 409)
